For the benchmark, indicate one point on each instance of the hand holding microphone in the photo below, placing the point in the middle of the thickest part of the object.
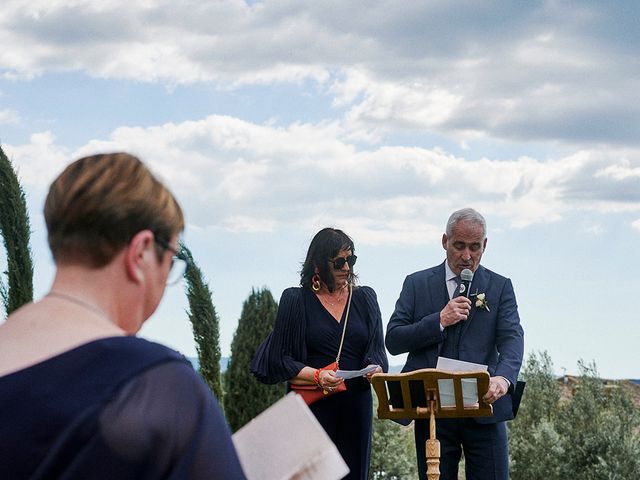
(459, 306)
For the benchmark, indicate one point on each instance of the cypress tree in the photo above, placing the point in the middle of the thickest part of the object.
(204, 321)
(15, 231)
(246, 397)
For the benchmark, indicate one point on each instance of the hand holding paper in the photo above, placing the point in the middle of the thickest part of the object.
(347, 374)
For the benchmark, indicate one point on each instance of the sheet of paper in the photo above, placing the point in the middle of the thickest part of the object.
(347, 374)
(469, 392)
(446, 391)
(469, 385)
(450, 365)
(286, 441)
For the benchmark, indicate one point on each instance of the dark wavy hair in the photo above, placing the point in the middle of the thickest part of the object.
(326, 244)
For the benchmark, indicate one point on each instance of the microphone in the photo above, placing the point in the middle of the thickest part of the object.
(466, 276)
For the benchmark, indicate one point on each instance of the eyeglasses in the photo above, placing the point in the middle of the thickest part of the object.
(179, 263)
(339, 262)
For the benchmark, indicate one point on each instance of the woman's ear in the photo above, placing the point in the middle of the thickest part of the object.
(137, 253)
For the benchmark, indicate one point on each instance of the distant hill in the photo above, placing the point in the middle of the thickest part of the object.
(568, 385)
(224, 362)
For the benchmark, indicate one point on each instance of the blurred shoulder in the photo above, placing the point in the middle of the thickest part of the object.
(137, 346)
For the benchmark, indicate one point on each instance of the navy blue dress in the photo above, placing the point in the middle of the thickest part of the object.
(119, 407)
(306, 334)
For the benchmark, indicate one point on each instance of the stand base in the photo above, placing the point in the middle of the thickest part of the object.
(433, 459)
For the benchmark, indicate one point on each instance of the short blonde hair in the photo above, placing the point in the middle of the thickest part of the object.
(98, 203)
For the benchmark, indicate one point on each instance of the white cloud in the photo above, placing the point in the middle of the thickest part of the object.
(416, 105)
(369, 231)
(622, 171)
(247, 224)
(38, 162)
(636, 225)
(8, 116)
(239, 176)
(592, 228)
(551, 73)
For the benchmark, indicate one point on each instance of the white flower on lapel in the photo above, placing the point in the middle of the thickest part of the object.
(481, 301)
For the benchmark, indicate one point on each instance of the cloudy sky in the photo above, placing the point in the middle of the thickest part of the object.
(270, 120)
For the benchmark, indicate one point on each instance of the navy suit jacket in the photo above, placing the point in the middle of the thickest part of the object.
(494, 338)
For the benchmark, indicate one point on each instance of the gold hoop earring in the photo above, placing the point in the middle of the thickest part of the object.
(315, 283)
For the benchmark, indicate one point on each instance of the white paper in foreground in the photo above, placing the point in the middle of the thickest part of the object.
(347, 374)
(287, 442)
(469, 385)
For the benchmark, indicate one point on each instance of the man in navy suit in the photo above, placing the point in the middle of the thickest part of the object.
(431, 320)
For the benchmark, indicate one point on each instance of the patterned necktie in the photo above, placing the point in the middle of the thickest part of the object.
(457, 328)
(456, 292)
(450, 346)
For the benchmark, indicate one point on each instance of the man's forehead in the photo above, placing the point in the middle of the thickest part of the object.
(467, 232)
(472, 242)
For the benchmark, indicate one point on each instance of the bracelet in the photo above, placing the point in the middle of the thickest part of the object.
(316, 377)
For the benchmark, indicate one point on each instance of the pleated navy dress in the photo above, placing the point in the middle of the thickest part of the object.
(305, 333)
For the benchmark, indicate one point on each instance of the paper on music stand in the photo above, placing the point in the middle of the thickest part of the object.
(450, 365)
(469, 385)
(347, 374)
(287, 442)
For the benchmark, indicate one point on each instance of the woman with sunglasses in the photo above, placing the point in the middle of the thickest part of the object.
(80, 396)
(307, 336)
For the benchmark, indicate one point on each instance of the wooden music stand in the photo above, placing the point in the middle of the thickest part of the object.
(417, 395)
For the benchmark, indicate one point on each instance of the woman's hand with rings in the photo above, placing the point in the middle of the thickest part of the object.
(369, 375)
(328, 380)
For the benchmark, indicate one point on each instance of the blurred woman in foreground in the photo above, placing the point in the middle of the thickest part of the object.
(80, 396)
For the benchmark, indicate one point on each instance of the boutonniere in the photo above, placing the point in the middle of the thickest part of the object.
(481, 301)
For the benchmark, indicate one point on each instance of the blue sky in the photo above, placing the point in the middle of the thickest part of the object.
(270, 120)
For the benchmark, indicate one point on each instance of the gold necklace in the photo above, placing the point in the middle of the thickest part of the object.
(328, 296)
(82, 303)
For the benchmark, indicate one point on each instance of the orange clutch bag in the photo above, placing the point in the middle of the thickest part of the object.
(312, 393)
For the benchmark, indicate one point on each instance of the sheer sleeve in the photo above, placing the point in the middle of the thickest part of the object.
(376, 353)
(281, 356)
(166, 423)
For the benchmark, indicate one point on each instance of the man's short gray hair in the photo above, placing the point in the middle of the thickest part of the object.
(466, 215)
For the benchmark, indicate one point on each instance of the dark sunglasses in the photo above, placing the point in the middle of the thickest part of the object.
(339, 262)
